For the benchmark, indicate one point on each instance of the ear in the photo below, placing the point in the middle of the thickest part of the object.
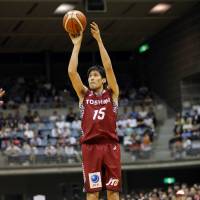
(104, 80)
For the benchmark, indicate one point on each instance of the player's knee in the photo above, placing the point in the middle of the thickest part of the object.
(93, 196)
(112, 195)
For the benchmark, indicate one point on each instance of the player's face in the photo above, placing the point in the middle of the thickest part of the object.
(95, 80)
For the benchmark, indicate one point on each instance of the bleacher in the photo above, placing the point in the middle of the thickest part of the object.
(38, 132)
(186, 140)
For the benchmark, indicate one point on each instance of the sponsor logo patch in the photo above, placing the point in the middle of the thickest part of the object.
(113, 182)
(95, 180)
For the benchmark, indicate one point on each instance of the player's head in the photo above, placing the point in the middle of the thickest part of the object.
(96, 77)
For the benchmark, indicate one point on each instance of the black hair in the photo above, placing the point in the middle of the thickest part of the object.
(98, 68)
(101, 71)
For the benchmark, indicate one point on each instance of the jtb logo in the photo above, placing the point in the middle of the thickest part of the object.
(113, 182)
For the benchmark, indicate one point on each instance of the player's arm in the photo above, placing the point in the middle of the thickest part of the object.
(112, 82)
(72, 68)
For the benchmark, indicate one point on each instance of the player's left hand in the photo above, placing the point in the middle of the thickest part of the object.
(95, 31)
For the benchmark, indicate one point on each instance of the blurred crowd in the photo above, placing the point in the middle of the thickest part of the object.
(33, 137)
(186, 140)
(136, 130)
(176, 192)
(33, 92)
(37, 93)
(136, 96)
(40, 138)
(55, 138)
(171, 192)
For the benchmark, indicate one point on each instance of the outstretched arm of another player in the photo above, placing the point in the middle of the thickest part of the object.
(73, 64)
(112, 82)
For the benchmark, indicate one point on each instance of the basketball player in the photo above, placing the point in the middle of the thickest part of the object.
(98, 104)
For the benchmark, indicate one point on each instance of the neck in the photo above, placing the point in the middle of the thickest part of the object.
(98, 91)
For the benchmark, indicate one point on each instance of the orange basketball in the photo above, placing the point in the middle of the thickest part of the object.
(74, 21)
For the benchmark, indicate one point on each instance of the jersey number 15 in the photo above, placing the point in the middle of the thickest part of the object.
(99, 114)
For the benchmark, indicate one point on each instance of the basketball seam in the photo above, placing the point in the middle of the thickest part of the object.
(73, 24)
(66, 22)
(77, 19)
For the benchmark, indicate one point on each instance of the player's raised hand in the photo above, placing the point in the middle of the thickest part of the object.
(2, 92)
(95, 31)
(76, 39)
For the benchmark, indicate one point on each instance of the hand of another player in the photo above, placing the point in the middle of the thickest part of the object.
(76, 39)
(2, 92)
(95, 31)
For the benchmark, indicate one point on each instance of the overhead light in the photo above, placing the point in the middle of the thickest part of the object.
(143, 48)
(160, 8)
(63, 8)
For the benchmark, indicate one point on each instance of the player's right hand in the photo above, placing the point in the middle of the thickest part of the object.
(76, 39)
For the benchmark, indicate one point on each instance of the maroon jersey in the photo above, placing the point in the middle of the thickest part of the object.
(99, 115)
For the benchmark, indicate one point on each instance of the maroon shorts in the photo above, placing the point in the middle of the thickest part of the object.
(101, 167)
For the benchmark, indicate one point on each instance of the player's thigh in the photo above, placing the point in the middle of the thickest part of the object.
(92, 165)
(112, 162)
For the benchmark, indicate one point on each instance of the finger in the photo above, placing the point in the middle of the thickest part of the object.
(93, 32)
(73, 35)
(76, 35)
(94, 29)
(70, 35)
(95, 24)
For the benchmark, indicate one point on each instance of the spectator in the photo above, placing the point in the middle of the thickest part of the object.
(36, 117)
(71, 115)
(28, 118)
(50, 150)
(28, 133)
(12, 150)
(54, 117)
(70, 152)
(154, 196)
(180, 195)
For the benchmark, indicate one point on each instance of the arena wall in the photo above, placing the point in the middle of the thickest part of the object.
(174, 55)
